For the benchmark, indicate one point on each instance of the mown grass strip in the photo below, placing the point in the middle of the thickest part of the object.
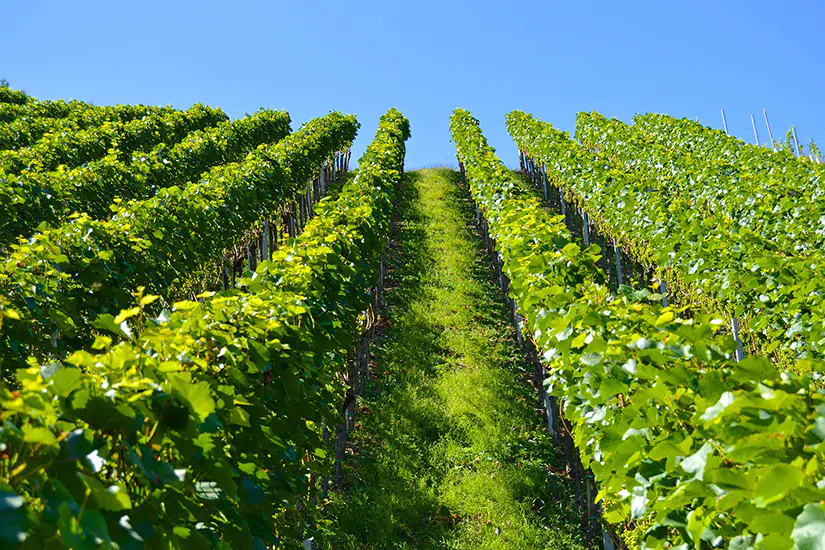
(450, 452)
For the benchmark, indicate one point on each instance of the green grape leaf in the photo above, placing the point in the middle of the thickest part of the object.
(809, 531)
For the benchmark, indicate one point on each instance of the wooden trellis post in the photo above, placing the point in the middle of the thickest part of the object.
(734, 326)
(265, 241)
(544, 180)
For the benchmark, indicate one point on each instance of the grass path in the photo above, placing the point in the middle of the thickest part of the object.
(450, 451)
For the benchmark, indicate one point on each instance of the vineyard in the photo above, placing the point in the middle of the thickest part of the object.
(215, 333)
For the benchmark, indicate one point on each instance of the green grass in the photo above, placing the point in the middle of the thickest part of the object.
(450, 452)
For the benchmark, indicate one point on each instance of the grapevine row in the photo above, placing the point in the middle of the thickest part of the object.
(716, 265)
(12, 97)
(37, 197)
(204, 429)
(715, 144)
(682, 439)
(66, 280)
(772, 194)
(55, 110)
(74, 148)
(26, 129)
(15, 105)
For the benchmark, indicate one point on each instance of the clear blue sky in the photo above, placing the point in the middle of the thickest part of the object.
(430, 56)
